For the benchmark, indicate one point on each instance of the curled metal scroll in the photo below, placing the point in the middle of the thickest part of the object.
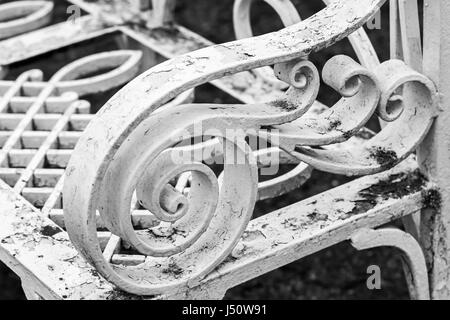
(129, 148)
(364, 239)
(289, 16)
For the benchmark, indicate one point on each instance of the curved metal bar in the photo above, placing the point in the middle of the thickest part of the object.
(124, 64)
(368, 238)
(283, 184)
(363, 47)
(243, 29)
(29, 15)
(360, 91)
(241, 15)
(289, 16)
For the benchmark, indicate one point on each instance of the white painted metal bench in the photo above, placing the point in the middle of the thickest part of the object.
(119, 205)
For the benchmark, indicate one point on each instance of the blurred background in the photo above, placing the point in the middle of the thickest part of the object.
(339, 272)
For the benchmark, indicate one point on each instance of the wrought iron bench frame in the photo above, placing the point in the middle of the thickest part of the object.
(39, 250)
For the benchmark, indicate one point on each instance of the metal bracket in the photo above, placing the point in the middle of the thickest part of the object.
(414, 258)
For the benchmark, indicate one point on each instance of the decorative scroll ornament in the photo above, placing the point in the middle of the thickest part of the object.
(289, 16)
(23, 16)
(131, 150)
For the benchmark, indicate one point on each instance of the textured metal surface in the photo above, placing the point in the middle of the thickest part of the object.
(124, 150)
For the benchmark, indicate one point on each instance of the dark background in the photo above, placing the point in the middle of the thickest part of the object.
(336, 273)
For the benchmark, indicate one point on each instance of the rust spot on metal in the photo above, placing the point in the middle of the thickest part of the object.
(383, 156)
(50, 231)
(334, 124)
(432, 199)
(317, 216)
(395, 187)
(284, 105)
(174, 270)
(122, 295)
